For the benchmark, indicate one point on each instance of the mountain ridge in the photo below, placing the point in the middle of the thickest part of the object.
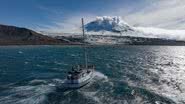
(12, 35)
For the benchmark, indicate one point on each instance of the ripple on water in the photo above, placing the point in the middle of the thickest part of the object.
(26, 95)
(125, 75)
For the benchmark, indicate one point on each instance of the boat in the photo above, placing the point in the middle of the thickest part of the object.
(80, 75)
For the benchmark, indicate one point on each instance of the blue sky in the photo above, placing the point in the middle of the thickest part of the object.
(63, 14)
(30, 13)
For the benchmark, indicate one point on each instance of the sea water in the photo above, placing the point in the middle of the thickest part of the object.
(124, 75)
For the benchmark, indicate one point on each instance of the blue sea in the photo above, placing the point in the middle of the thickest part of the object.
(124, 75)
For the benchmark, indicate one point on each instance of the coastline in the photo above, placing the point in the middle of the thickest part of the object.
(89, 45)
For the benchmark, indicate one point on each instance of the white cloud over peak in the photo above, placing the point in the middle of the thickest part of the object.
(167, 14)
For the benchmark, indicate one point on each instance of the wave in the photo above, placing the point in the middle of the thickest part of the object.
(26, 95)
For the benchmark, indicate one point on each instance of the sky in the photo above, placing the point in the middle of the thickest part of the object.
(64, 15)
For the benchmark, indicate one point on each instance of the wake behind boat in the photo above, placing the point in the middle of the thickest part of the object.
(80, 75)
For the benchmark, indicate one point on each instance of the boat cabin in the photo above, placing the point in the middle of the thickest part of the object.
(79, 71)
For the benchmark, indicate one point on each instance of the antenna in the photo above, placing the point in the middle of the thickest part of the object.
(83, 30)
(84, 37)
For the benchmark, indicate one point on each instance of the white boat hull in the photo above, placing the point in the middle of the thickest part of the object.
(78, 83)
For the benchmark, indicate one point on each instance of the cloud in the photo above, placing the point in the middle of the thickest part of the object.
(162, 33)
(167, 14)
(160, 13)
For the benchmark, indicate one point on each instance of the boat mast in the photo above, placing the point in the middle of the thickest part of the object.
(84, 37)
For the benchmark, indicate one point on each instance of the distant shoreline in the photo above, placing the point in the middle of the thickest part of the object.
(16, 36)
(90, 45)
(38, 44)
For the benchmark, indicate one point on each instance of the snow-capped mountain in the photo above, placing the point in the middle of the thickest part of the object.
(111, 30)
(106, 23)
(114, 30)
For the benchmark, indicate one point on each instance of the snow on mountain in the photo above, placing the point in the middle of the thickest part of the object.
(115, 26)
(107, 23)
